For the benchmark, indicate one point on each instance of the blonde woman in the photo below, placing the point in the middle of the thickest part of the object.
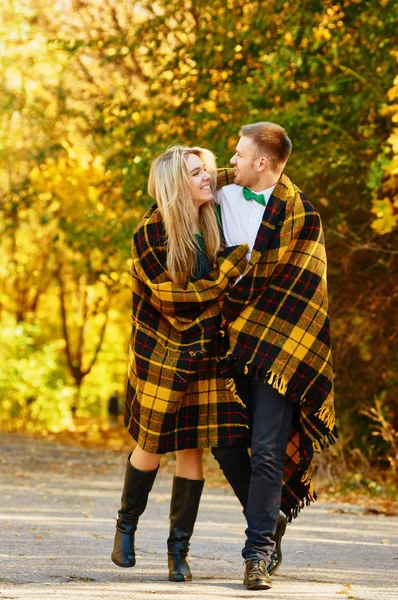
(175, 400)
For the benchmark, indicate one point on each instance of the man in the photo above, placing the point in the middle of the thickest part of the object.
(277, 343)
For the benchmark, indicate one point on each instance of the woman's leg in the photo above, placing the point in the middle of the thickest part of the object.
(189, 464)
(143, 460)
(187, 490)
(141, 470)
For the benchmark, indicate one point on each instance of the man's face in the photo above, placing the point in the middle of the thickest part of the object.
(244, 161)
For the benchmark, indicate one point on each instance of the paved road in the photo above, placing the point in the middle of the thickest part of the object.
(57, 523)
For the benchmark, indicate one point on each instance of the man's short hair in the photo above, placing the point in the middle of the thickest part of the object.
(271, 140)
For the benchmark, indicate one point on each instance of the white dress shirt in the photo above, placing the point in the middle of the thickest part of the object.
(241, 218)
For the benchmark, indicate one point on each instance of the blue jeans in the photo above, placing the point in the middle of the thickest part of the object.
(257, 478)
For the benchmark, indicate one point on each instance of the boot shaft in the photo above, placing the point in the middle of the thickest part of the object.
(184, 508)
(137, 485)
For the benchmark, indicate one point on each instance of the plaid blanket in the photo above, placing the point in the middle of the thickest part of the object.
(175, 396)
(277, 329)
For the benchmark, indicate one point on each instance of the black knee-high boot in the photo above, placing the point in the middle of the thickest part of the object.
(137, 485)
(184, 507)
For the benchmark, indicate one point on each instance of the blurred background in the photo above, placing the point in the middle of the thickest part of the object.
(91, 91)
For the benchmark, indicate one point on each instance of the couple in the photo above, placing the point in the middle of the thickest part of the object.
(230, 345)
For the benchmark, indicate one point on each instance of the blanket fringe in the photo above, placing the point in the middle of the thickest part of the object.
(324, 442)
(326, 415)
(297, 508)
(307, 478)
(278, 382)
(328, 439)
(231, 386)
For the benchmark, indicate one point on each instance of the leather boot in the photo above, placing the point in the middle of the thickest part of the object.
(137, 485)
(276, 557)
(184, 507)
(256, 576)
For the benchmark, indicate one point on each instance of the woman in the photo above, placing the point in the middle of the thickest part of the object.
(175, 400)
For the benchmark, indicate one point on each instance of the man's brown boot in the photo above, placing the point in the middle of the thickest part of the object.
(256, 575)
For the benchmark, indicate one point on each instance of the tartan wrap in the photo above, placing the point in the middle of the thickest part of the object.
(277, 328)
(175, 397)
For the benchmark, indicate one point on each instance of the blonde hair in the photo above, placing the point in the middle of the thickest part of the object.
(169, 185)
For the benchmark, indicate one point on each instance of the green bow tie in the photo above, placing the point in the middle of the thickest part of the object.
(249, 195)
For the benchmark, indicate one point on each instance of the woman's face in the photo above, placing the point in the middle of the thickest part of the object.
(199, 180)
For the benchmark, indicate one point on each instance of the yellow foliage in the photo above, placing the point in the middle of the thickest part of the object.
(321, 33)
(96, 259)
(393, 140)
(73, 181)
(386, 208)
(386, 212)
(289, 40)
(210, 106)
(392, 93)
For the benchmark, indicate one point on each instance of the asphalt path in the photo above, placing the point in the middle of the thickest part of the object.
(57, 519)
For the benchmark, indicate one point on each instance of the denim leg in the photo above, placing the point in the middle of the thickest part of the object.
(271, 414)
(235, 461)
(235, 464)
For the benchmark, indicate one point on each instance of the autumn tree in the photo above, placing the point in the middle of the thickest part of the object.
(108, 84)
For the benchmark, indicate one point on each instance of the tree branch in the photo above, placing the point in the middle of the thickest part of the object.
(100, 342)
(363, 246)
(64, 321)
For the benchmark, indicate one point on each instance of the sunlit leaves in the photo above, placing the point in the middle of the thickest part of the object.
(386, 212)
(385, 198)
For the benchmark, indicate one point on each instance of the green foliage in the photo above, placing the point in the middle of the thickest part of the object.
(33, 392)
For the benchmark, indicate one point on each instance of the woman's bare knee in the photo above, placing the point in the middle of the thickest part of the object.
(143, 460)
(189, 463)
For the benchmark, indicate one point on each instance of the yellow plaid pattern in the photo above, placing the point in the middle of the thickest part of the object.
(175, 397)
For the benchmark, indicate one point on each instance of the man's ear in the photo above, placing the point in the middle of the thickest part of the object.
(262, 163)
